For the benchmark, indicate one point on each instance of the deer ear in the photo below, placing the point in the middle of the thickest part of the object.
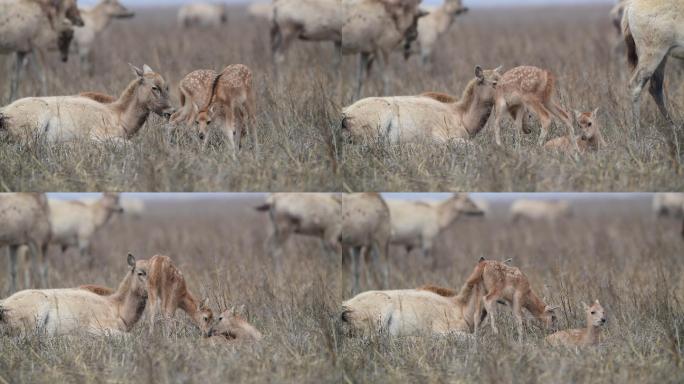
(585, 306)
(241, 309)
(597, 302)
(137, 71)
(232, 310)
(577, 114)
(481, 259)
(498, 69)
(147, 69)
(131, 260)
(479, 73)
(595, 111)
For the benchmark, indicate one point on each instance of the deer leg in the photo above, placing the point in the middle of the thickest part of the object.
(276, 242)
(544, 116)
(490, 305)
(251, 119)
(38, 66)
(153, 302)
(230, 130)
(518, 116)
(346, 256)
(16, 79)
(383, 67)
(13, 267)
(648, 64)
(517, 312)
(499, 109)
(657, 91)
(361, 73)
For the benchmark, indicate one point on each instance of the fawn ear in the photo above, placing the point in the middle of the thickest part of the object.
(241, 309)
(147, 69)
(137, 71)
(131, 260)
(577, 114)
(498, 69)
(205, 303)
(597, 302)
(595, 111)
(481, 259)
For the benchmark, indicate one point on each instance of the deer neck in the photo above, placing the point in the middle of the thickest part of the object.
(132, 114)
(129, 305)
(97, 17)
(445, 215)
(591, 334)
(190, 305)
(535, 305)
(473, 110)
(101, 214)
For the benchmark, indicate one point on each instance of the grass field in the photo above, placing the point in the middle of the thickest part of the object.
(300, 117)
(613, 250)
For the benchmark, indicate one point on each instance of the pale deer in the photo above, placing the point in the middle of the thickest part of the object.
(531, 89)
(65, 311)
(590, 138)
(596, 319)
(232, 102)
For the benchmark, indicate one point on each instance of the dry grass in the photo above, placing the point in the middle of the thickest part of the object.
(298, 118)
(612, 251)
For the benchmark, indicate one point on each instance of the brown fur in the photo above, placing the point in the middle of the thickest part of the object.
(97, 289)
(590, 138)
(99, 97)
(590, 335)
(498, 281)
(442, 97)
(233, 102)
(446, 292)
(528, 88)
(168, 290)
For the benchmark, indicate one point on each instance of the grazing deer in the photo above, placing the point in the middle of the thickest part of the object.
(589, 139)
(233, 103)
(533, 89)
(596, 318)
(653, 31)
(26, 221)
(536, 210)
(498, 281)
(65, 118)
(432, 116)
(233, 327)
(168, 292)
(195, 90)
(63, 311)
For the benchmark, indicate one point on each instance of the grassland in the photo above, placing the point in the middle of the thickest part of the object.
(611, 250)
(299, 117)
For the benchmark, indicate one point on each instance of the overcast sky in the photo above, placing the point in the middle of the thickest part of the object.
(469, 3)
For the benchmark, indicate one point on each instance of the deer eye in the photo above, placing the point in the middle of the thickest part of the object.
(141, 273)
(220, 318)
(593, 312)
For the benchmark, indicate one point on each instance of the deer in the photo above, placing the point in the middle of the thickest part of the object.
(498, 281)
(590, 138)
(69, 310)
(429, 309)
(533, 89)
(435, 24)
(366, 231)
(26, 221)
(590, 335)
(232, 102)
(653, 31)
(231, 327)
(431, 116)
(168, 291)
(537, 210)
(74, 223)
(309, 214)
(65, 118)
(195, 90)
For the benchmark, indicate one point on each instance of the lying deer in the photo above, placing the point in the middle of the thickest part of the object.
(596, 318)
(533, 89)
(233, 327)
(590, 138)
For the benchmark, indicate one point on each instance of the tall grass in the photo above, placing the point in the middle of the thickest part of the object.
(299, 117)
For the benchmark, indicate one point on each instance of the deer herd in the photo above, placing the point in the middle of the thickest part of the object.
(371, 29)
